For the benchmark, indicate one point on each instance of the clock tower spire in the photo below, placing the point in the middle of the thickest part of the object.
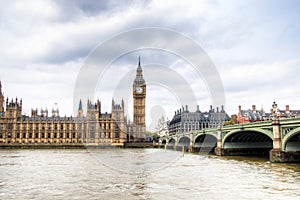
(139, 105)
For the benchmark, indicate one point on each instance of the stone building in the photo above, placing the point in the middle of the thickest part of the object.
(93, 128)
(186, 121)
(18, 128)
(254, 115)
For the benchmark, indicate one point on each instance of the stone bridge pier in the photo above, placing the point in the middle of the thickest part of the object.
(218, 149)
(277, 153)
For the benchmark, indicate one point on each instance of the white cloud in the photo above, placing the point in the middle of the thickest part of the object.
(44, 44)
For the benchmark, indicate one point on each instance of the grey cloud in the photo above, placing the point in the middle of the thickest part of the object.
(76, 8)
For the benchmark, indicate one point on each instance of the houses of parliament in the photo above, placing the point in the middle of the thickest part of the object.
(91, 128)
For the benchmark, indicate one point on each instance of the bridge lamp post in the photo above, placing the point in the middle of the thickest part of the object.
(274, 106)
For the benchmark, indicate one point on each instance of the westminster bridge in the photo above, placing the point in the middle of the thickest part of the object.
(278, 138)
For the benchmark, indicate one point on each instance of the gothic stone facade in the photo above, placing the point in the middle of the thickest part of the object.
(95, 127)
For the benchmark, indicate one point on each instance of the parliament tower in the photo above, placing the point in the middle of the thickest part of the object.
(139, 105)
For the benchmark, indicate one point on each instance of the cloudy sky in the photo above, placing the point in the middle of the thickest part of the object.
(253, 45)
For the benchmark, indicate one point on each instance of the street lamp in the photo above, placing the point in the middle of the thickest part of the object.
(274, 106)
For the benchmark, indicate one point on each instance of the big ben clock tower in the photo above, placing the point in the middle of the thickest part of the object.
(139, 105)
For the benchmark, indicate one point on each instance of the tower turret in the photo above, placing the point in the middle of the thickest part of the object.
(80, 110)
(99, 107)
(13, 109)
(1, 99)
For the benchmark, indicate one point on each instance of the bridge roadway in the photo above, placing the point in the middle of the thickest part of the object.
(279, 139)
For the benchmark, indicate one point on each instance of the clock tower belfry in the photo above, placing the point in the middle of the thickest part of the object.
(139, 105)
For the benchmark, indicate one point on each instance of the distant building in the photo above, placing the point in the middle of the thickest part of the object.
(186, 121)
(287, 113)
(253, 115)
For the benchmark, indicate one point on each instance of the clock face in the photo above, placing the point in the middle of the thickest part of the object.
(139, 90)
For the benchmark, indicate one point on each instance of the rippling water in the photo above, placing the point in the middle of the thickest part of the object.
(141, 174)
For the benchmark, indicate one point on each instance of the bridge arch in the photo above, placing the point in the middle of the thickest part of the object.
(291, 141)
(206, 142)
(269, 134)
(248, 142)
(184, 141)
(204, 134)
(172, 141)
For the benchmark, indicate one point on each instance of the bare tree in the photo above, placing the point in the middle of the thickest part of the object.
(162, 128)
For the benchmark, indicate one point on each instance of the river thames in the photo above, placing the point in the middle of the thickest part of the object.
(141, 174)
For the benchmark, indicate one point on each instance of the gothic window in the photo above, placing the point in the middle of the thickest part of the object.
(92, 135)
(10, 126)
